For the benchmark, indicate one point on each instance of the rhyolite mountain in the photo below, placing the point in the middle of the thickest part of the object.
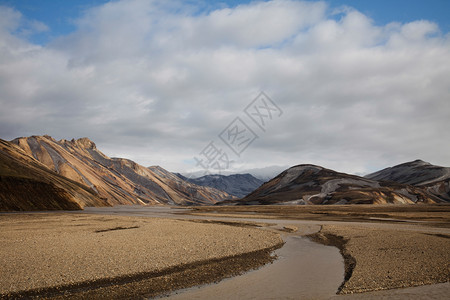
(311, 184)
(434, 179)
(40, 173)
(114, 180)
(26, 184)
(238, 185)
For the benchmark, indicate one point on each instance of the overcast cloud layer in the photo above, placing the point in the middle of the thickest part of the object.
(157, 81)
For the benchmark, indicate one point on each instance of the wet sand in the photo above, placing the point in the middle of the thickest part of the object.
(49, 253)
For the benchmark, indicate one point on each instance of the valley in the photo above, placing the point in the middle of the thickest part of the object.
(77, 172)
(122, 230)
(224, 150)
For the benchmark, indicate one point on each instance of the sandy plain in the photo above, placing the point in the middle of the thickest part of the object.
(53, 254)
(384, 247)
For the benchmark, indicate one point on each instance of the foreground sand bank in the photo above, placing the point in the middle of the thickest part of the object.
(389, 258)
(47, 253)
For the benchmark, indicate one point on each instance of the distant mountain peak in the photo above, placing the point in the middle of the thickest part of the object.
(85, 143)
(238, 185)
(305, 167)
(298, 170)
(48, 137)
(418, 162)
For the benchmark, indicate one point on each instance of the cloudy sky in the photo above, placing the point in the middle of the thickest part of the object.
(350, 85)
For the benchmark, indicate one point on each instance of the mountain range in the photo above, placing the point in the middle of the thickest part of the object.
(238, 185)
(111, 181)
(414, 182)
(41, 173)
(263, 174)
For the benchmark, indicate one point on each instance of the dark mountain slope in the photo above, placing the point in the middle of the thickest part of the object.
(435, 179)
(310, 184)
(238, 185)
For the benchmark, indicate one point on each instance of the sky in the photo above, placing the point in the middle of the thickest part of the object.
(215, 86)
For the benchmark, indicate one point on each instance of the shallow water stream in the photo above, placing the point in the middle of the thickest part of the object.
(303, 270)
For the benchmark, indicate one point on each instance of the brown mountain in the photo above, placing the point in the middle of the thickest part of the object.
(310, 184)
(26, 184)
(115, 180)
(434, 179)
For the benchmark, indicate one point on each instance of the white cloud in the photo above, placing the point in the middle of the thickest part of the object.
(160, 79)
(9, 18)
(257, 25)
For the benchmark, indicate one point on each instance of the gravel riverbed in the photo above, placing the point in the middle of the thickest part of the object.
(45, 250)
(395, 256)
